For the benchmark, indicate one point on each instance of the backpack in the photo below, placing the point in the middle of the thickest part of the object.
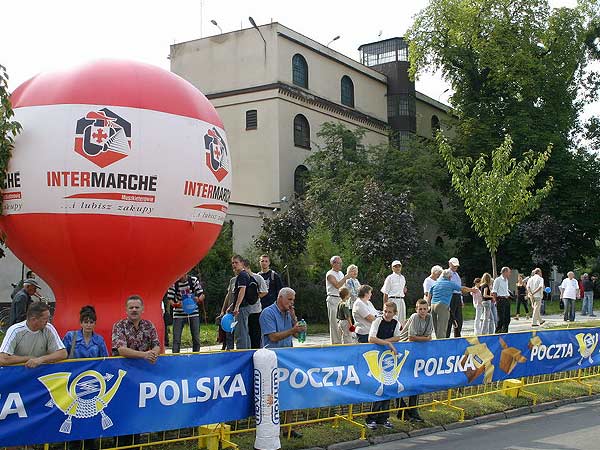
(251, 294)
(16, 288)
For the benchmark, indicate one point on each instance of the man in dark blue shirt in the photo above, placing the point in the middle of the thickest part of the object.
(272, 279)
(240, 310)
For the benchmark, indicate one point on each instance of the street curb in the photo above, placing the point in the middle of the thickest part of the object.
(561, 402)
(458, 425)
(522, 411)
(587, 398)
(490, 417)
(541, 407)
(349, 445)
(425, 431)
(388, 438)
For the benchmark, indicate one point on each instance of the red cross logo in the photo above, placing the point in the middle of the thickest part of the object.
(99, 135)
(217, 151)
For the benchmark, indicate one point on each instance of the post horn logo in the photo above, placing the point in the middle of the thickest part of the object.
(385, 368)
(84, 397)
(587, 344)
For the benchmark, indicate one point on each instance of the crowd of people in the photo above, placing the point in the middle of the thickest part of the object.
(351, 313)
(265, 316)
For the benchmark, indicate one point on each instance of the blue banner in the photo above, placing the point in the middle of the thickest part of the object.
(363, 373)
(84, 399)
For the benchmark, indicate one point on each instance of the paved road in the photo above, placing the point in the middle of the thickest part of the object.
(571, 427)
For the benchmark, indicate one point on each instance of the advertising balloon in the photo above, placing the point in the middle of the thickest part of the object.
(118, 184)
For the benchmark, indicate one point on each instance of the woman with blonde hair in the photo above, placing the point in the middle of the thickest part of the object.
(352, 284)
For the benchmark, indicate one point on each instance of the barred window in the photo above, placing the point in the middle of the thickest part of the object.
(401, 105)
(301, 132)
(347, 91)
(299, 71)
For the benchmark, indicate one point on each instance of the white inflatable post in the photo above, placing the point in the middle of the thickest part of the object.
(266, 400)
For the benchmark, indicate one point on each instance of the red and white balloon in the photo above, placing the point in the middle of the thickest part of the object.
(118, 184)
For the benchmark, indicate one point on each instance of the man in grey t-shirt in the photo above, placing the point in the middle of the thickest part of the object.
(33, 341)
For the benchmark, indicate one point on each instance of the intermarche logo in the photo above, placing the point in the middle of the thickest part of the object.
(217, 158)
(103, 137)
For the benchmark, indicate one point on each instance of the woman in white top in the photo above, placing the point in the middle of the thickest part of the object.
(569, 288)
(364, 313)
(352, 284)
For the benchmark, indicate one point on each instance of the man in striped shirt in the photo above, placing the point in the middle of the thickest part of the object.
(33, 341)
(187, 284)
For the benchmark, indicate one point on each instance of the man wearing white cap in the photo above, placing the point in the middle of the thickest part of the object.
(394, 289)
(21, 301)
(456, 303)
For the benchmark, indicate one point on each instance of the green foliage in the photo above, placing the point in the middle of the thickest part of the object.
(9, 129)
(521, 68)
(284, 235)
(516, 67)
(384, 227)
(498, 192)
(215, 271)
(358, 205)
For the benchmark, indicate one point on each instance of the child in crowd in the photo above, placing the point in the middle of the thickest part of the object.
(477, 300)
(344, 317)
(418, 328)
(384, 331)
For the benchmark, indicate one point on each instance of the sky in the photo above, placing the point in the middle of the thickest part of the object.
(41, 35)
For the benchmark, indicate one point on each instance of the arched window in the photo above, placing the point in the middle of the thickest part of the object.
(300, 178)
(435, 125)
(299, 71)
(301, 132)
(347, 91)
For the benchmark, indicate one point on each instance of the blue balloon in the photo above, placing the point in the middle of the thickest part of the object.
(188, 304)
(548, 290)
(227, 323)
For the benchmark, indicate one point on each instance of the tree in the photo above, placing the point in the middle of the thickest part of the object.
(384, 227)
(338, 170)
(9, 129)
(498, 191)
(285, 234)
(215, 271)
(545, 239)
(521, 68)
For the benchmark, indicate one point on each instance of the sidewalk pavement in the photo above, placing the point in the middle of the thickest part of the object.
(320, 340)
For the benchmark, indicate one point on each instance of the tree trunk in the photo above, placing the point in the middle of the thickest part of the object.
(494, 271)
